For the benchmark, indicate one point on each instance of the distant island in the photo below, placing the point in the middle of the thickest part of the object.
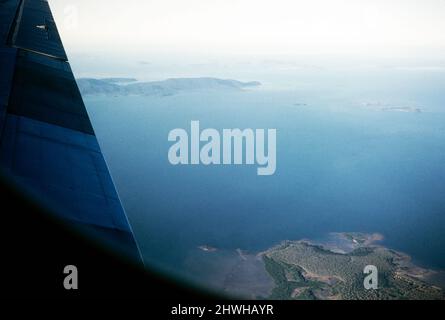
(383, 106)
(130, 86)
(119, 80)
(207, 248)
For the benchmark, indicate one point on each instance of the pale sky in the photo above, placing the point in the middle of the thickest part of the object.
(256, 26)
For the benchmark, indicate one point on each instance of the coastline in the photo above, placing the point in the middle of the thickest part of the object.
(338, 277)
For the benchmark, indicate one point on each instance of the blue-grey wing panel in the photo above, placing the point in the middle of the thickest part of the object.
(47, 143)
(7, 17)
(36, 31)
(45, 89)
(7, 65)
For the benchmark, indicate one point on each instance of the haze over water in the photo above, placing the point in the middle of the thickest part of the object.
(353, 154)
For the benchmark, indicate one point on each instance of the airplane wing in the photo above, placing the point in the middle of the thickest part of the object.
(47, 142)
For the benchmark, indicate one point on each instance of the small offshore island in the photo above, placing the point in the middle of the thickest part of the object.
(334, 270)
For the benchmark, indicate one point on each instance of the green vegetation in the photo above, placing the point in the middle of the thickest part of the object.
(302, 270)
(288, 278)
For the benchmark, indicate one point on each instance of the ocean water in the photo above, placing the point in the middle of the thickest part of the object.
(343, 164)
